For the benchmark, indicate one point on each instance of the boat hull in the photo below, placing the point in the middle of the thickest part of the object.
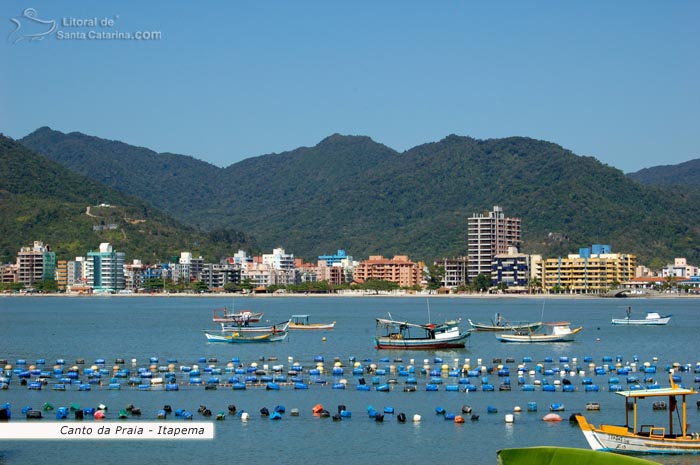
(563, 455)
(505, 327)
(645, 322)
(619, 439)
(234, 337)
(296, 326)
(403, 344)
(568, 337)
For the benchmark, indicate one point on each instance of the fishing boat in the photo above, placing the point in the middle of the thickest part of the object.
(302, 322)
(549, 332)
(247, 328)
(272, 333)
(645, 438)
(651, 318)
(222, 315)
(392, 334)
(499, 324)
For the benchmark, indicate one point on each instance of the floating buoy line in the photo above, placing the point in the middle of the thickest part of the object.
(385, 375)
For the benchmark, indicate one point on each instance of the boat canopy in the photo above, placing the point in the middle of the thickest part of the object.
(661, 392)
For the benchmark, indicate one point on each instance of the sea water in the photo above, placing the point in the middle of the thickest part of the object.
(155, 330)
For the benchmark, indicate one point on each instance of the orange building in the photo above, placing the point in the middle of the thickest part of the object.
(398, 270)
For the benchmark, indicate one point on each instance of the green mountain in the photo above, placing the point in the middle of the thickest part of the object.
(351, 192)
(684, 175)
(42, 200)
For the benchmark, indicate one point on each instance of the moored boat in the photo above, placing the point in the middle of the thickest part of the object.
(553, 332)
(241, 333)
(234, 336)
(499, 324)
(651, 318)
(392, 334)
(644, 438)
(223, 315)
(549, 455)
(302, 322)
(243, 328)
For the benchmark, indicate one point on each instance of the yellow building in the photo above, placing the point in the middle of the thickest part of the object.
(587, 273)
(62, 274)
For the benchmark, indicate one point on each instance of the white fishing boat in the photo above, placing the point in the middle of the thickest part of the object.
(250, 334)
(223, 315)
(392, 334)
(651, 318)
(642, 437)
(549, 332)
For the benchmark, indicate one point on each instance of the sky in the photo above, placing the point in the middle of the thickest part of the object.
(223, 81)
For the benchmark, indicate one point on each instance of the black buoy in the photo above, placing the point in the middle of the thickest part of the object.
(168, 409)
(324, 413)
(264, 412)
(572, 418)
(232, 409)
(341, 407)
(475, 417)
(336, 417)
(78, 414)
(361, 381)
(401, 417)
(379, 418)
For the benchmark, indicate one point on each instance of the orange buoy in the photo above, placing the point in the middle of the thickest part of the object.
(318, 408)
(459, 419)
(551, 417)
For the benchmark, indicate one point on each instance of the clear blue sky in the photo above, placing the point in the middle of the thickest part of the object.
(616, 80)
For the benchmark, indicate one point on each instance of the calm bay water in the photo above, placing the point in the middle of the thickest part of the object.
(171, 328)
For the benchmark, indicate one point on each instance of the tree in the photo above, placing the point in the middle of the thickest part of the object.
(481, 283)
(436, 274)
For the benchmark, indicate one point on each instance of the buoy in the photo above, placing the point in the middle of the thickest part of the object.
(244, 416)
(459, 419)
(416, 418)
(552, 417)
(317, 409)
(517, 409)
(509, 418)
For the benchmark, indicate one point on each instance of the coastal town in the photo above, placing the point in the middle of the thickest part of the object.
(493, 264)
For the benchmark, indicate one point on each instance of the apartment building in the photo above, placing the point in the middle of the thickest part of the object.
(105, 269)
(489, 234)
(399, 270)
(455, 271)
(588, 271)
(511, 270)
(35, 263)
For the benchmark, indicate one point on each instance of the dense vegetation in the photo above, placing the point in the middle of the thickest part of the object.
(353, 193)
(685, 175)
(42, 200)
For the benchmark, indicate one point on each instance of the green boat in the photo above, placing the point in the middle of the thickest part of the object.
(546, 455)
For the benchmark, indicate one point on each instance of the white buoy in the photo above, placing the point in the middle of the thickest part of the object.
(244, 416)
(509, 418)
(416, 418)
(517, 409)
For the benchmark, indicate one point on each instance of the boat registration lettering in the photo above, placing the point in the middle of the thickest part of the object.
(621, 440)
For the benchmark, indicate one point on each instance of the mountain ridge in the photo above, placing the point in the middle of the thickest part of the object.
(354, 193)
